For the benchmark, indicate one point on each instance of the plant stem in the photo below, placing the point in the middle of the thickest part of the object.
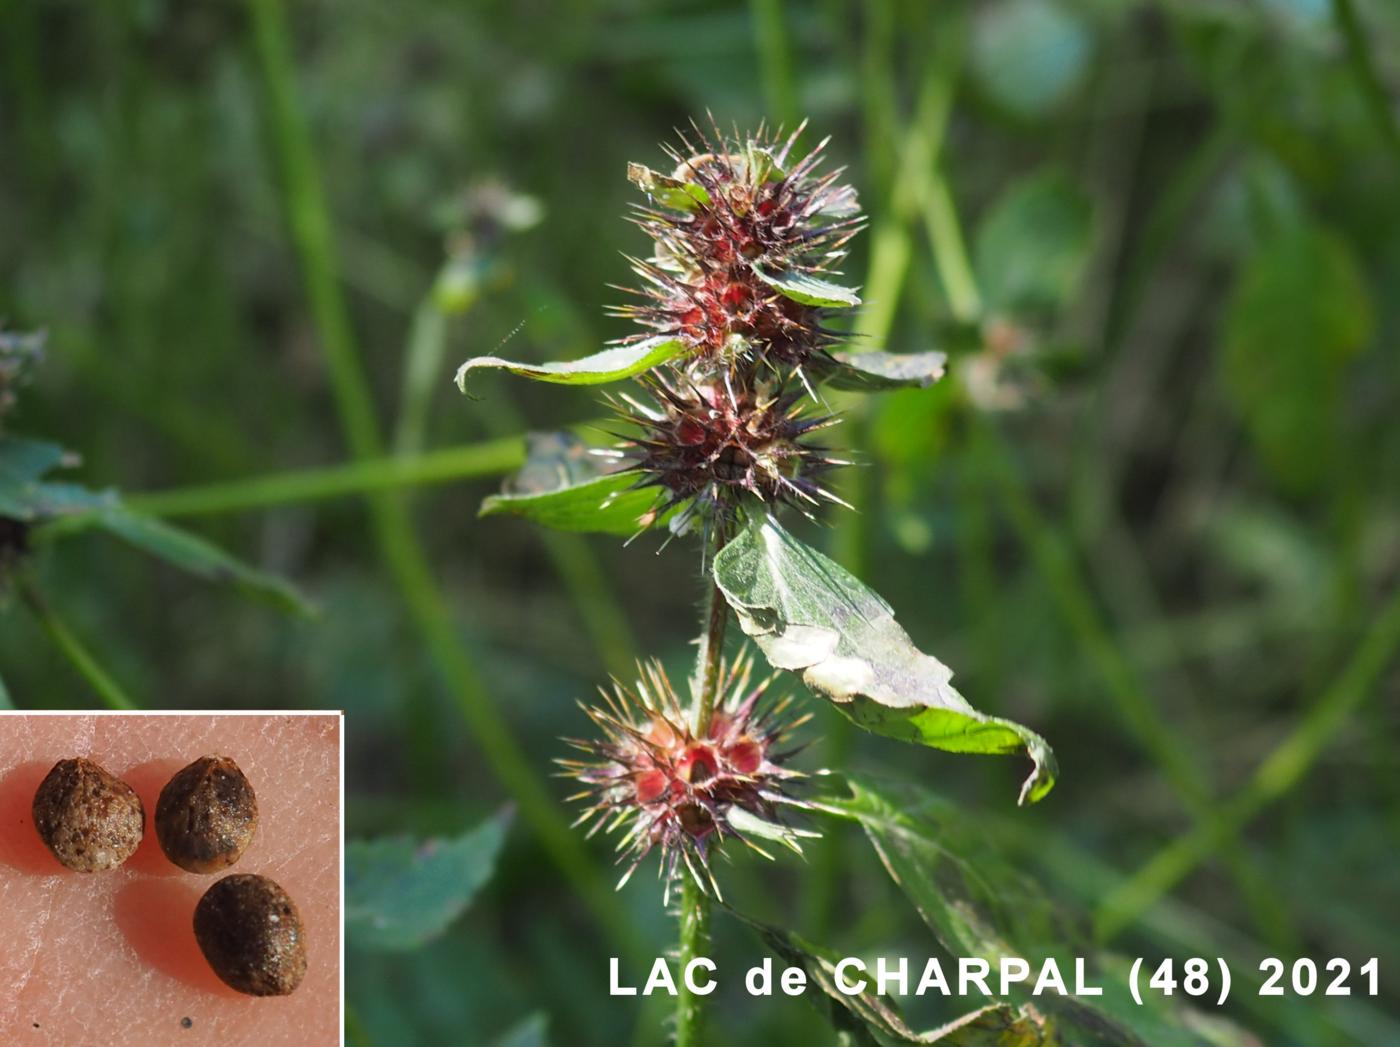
(695, 901)
(695, 941)
(72, 648)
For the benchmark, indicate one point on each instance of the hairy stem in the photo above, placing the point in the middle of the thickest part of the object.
(72, 648)
(695, 902)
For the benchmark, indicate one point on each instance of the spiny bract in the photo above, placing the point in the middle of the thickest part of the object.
(685, 792)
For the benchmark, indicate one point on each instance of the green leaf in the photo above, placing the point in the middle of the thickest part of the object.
(196, 555)
(811, 616)
(1033, 245)
(669, 192)
(400, 892)
(6, 702)
(562, 485)
(979, 905)
(24, 495)
(1028, 56)
(611, 365)
(875, 371)
(875, 1019)
(808, 289)
(1299, 311)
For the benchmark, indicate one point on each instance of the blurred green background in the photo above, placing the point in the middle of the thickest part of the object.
(1154, 513)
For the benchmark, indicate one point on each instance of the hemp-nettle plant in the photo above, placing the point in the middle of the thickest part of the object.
(739, 337)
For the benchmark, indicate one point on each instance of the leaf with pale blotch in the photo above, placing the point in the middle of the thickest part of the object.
(875, 371)
(668, 191)
(565, 486)
(808, 289)
(874, 1019)
(401, 893)
(811, 616)
(611, 365)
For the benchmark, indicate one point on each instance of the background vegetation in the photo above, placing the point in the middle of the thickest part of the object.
(1153, 514)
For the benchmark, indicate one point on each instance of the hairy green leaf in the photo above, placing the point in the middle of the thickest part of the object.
(668, 191)
(564, 486)
(611, 365)
(876, 371)
(400, 892)
(1034, 243)
(811, 616)
(808, 289)
(875, 1019)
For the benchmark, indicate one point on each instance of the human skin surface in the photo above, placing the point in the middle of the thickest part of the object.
(110, 957)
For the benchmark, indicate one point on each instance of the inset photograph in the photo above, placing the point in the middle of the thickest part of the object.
(170, 878)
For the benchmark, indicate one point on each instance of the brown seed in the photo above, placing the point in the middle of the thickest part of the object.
(206, 815)
(251, 934)
(90, 820)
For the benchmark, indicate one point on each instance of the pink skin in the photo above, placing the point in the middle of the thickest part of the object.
(110, 957)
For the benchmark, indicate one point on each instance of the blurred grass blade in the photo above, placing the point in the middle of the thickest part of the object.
(401, 893)
(6, 702)
(72, 648)
(197, 556)
(368, 476)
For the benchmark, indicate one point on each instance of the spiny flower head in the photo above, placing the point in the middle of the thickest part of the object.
(708, 446)
(668, 786)
(736, 220)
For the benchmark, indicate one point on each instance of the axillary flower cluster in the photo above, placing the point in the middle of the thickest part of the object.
(735, 227)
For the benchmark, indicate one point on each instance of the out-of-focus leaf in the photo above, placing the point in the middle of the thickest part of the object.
(808, 289)
(401, 892)
(199, 557)
(811, 616)
(1299, 311)
(874, 1019)
(1029, 55)
(531, 1032)
(23, 493)
(669, 192)
(562, 485)
(611, 365)
(876, 371)
(978, 905)
(6, 702)
(1032, 246)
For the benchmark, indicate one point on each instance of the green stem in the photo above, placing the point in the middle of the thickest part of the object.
(695, 941)
(1284, 768)
(695, 901)
(393, 527)
(366, 476)
(72, 648)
